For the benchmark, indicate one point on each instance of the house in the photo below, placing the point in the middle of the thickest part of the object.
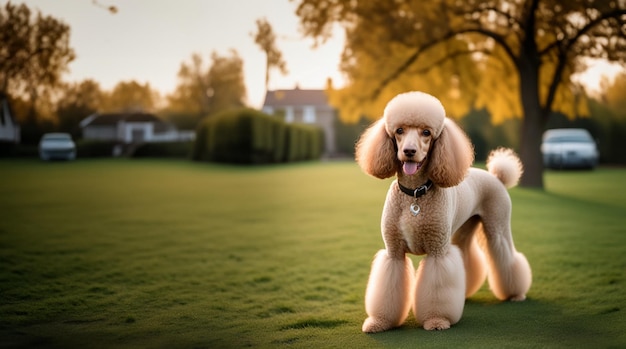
(307, 107)
(130, 128)
(9, 128)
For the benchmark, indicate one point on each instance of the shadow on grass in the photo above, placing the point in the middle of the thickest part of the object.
(528, 324)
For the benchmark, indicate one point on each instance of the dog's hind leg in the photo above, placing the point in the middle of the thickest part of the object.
(473, 257)
(440, 290)
(388, 295)
(509, 274)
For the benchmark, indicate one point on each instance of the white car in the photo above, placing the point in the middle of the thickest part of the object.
(57, 146)
(569, 148)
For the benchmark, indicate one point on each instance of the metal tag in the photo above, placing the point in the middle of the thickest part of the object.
(415, 209)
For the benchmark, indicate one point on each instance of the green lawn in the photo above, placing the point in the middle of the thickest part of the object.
(175, 254)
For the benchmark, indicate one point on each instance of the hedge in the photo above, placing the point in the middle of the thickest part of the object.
(91, 149)
(248, 136)
(163, 150)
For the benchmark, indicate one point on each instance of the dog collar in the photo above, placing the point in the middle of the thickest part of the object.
(417, 192)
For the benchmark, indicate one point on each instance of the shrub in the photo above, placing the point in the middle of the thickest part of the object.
(163, 149)
(248, 136)
(14, 150)
(92, 149)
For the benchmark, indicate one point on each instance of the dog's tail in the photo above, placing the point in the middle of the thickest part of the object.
(506, 166)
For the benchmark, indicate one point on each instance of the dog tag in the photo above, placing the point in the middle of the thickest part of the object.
(415, 209)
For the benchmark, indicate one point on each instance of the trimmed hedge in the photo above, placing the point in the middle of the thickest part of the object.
(248, 136)
(95, 149)
(163, 150)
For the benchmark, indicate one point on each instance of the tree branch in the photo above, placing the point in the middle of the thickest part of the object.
(563, 51)
(571, 41)
(415, 56)
(554, 85)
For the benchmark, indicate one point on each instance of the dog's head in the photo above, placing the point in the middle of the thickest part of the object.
(413, 120)
(414, 135)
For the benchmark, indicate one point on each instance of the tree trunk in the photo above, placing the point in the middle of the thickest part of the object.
(530, 152)
(533, 124)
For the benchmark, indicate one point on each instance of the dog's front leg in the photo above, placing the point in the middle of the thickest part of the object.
(440, 290)
(388, 295)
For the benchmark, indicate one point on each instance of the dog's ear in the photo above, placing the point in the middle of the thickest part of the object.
(451, 156)
(375, 152)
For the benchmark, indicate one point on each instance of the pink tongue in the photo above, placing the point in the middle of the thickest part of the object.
(409, 168)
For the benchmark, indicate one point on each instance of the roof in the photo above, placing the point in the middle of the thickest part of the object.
(296, 97)
(114, 118)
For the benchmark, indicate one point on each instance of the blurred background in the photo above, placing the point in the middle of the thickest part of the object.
(159, 78)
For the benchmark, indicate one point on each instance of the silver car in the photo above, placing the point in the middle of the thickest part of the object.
(569, 148)
(57, 146)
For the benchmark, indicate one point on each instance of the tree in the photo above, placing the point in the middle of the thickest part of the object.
(34, 53)
(131, 96)
(204, 90)
(227, 82)
(77, 101)
(192, 98)
(266, 39)
(614, 95)
(512, 57)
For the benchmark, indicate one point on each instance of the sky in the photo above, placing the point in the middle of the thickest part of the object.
(148, 40)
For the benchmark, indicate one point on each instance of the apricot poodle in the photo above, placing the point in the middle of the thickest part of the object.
(457, 216)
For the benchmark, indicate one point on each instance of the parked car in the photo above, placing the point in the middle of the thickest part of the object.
(57, 146)
(569, 148)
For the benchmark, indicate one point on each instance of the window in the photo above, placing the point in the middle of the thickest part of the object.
(308, 114)
(289, 114)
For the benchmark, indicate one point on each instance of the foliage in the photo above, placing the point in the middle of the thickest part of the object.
(247, 136)
(614, 95)
(77, 101)
(192, 93)
(513, 58)
(176, 254)
(130, 96)
(347, 134)
(163, 150)
(34, 51)
(203, 91)
(266, 39)
(227, 89)
(95, 148)
(486, 136)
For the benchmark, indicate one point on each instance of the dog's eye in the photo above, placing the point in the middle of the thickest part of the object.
(426, 133)
(400, 131)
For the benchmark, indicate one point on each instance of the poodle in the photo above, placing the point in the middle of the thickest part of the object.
(457, 216)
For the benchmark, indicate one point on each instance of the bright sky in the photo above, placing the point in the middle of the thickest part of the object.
(147, 40)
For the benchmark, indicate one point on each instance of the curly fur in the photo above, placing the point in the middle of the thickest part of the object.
(463, 227)
(506, 166)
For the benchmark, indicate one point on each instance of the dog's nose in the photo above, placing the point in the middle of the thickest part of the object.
(410, 152)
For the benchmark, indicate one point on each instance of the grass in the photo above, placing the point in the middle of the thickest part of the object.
(157, 254)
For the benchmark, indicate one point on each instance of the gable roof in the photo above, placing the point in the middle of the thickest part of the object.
(296, 98)
(112, 119)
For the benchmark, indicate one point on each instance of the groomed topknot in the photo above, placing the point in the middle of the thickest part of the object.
(411, 107)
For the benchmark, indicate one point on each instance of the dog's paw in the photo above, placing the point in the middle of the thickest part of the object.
(436, 323)
(517, 298)
(372, 325)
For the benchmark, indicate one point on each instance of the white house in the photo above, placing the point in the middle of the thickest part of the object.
(307, 107)
(9, 128)
(131, 128)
